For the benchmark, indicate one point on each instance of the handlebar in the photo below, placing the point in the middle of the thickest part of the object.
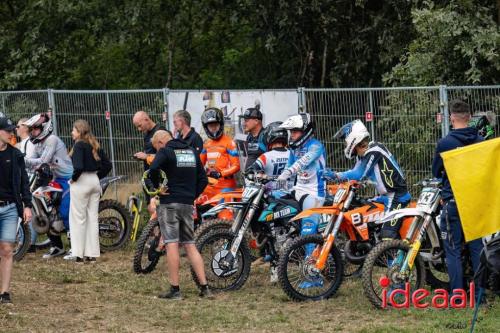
(430, 182)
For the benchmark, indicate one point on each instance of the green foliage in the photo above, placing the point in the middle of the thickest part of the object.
(455, 44)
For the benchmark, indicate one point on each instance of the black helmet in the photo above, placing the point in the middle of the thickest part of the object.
(44, 175)
(301, 122)
(484, 122)
(210, 116)
(252, 113)
(274, 133)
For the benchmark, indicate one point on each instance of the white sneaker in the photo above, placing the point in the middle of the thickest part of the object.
(274, 274)
(53, 252)
(69, 256)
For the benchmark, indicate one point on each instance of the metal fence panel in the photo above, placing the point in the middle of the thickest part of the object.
(109, 114)
(23, 104)
(405, 120)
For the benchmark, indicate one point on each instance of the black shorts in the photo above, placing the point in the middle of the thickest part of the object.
(176, 223)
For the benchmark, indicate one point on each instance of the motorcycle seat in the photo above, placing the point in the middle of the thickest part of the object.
(289, 202)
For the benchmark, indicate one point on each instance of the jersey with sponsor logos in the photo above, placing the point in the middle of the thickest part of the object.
(380, 166)
(221, 155)
(308, 163)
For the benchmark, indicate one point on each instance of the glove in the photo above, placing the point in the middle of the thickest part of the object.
(285, 175)
(214, 174)
(329, 174)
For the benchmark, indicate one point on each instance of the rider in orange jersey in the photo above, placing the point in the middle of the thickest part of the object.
(219, 154)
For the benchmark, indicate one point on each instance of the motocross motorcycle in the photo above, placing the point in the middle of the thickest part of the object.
(259, 216)
(149, 247)
(319, 274)
(418, 257)
(114, 219)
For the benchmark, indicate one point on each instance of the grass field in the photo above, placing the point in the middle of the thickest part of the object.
(59, 296)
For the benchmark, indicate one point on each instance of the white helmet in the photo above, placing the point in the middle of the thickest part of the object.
(353, 133)
(43, 122)
(301, 122)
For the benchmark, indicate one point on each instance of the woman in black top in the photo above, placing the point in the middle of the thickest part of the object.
(85, 193)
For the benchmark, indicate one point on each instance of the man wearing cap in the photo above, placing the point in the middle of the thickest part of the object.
(252, 124)
(15, 202)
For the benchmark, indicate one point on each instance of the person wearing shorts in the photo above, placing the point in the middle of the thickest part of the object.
(15, 202)
(186, 181)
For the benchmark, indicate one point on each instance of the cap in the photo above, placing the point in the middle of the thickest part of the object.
(252, 113)
(6, 124)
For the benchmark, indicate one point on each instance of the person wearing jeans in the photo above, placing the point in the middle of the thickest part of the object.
(87, 158)
(14, 194)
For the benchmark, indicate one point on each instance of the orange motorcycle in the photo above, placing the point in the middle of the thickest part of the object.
(311, 267)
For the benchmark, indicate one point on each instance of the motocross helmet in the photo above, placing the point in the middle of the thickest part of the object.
(210, 116)
(484, 122)
(43, 122)
(353, 133)
(301, 122)
(274, 133)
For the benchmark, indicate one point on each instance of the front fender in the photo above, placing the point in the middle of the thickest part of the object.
(405, 212)
(222, 206)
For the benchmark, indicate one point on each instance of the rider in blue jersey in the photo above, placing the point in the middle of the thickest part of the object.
(376, 163)
(307, 163)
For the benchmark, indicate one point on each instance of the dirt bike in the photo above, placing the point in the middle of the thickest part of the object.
(149, 247)
(417, 258)
(319, 275)
(114, 220)
(226, 250)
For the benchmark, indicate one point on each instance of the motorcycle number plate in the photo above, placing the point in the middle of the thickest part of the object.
(427, 197)
(249, 192)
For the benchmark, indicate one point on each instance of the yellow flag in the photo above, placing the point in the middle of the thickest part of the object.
(474, 174)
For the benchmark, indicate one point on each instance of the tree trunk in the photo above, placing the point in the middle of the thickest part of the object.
(323, 65)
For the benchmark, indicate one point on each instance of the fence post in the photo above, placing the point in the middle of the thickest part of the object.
(111, 145)
(52, 109)
(443, 105)
(370, 100)
(302, 99)
(165, 107)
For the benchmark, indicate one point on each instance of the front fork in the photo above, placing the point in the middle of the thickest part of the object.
(409, 259)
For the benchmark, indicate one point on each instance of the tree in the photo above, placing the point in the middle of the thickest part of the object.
(456, 43)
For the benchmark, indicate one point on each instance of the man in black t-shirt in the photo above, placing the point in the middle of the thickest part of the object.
(184, 131)
(252, 118)
(148, 127)
(15, 202)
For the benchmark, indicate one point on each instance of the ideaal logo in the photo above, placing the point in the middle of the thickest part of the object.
(401, 298)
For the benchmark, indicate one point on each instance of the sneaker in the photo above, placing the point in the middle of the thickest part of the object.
(53, 252)
(205, 292)
(91, 260)
(314, 283)
(5, 298)
(171, 294)
(69, 256)
(274, 274)
(78, 260)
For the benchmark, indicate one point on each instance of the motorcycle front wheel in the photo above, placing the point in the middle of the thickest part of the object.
(298, 276)
(223, 273)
